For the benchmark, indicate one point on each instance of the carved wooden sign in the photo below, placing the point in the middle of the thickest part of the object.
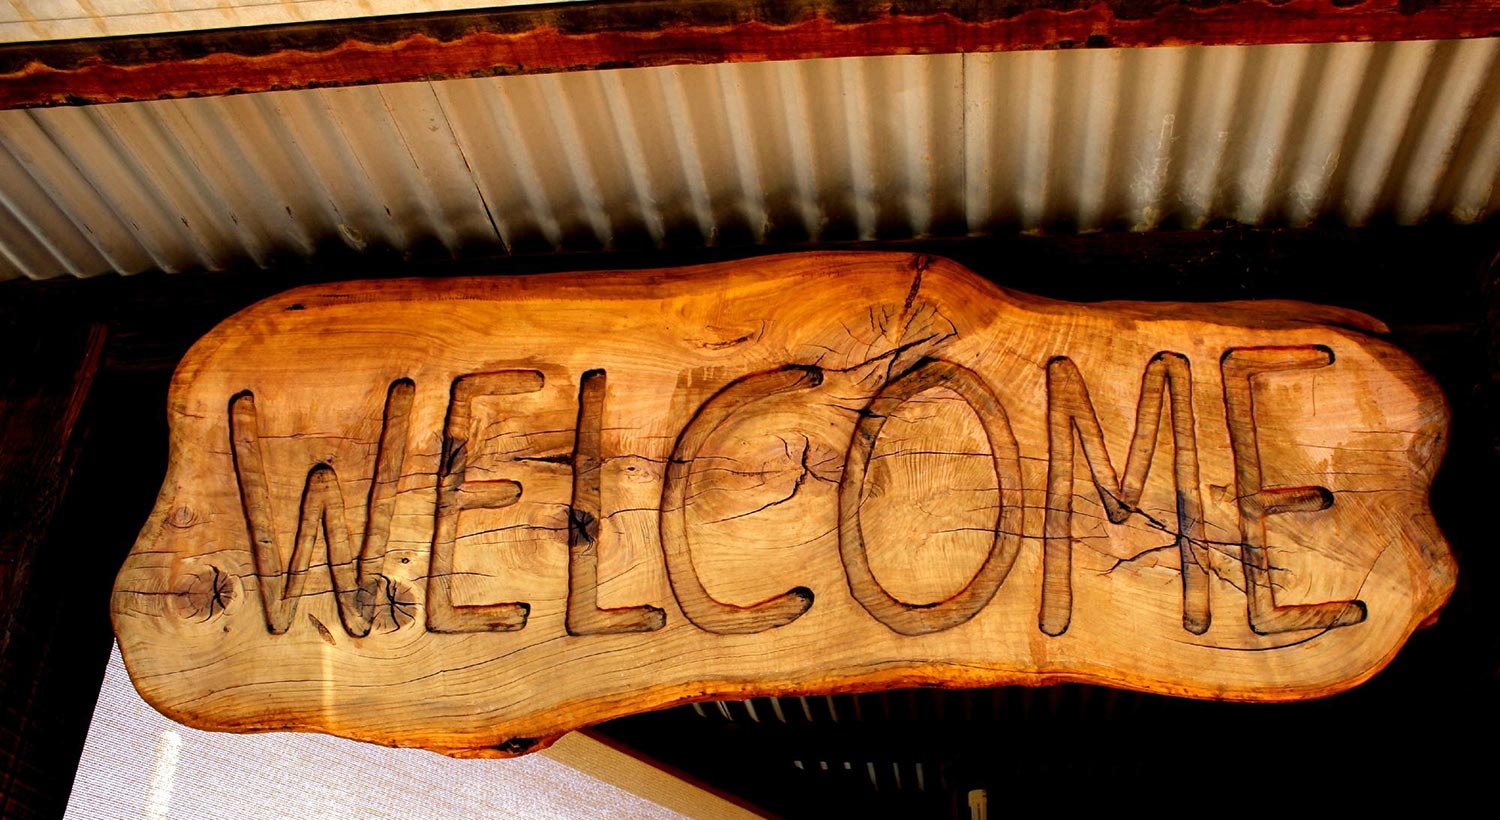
(475, 514)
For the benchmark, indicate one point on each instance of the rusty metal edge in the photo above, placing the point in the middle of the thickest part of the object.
(631, 33)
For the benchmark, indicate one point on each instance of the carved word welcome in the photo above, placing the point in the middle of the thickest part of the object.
(527, 505)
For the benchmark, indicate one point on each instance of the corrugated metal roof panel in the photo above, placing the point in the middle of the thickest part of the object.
(742, 153)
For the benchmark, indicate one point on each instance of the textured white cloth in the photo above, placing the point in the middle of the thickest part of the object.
(137, 763)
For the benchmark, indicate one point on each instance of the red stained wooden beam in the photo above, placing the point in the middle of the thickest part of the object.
(626, 33)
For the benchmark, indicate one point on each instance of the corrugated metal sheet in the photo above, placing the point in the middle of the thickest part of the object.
(730, 154)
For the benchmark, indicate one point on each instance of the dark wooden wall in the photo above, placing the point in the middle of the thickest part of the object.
(83, 379)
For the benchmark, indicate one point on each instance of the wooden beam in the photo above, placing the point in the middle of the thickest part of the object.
(45, 380)
(630, 33)
(625, 768)
(42, 391)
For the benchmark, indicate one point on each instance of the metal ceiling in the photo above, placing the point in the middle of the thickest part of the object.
(855, 148)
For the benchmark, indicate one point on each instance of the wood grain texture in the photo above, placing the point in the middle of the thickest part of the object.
(632, 33)
(815, 473)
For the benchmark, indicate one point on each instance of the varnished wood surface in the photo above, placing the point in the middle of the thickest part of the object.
(630, 33)
(735, 551)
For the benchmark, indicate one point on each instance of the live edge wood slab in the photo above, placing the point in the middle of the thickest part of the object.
(474, 514)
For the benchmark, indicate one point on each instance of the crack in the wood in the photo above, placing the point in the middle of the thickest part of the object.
(804, 472)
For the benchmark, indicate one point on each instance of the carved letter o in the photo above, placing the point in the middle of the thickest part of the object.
(918, 619)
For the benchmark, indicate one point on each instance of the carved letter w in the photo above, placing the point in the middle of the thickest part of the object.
(356, 579)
